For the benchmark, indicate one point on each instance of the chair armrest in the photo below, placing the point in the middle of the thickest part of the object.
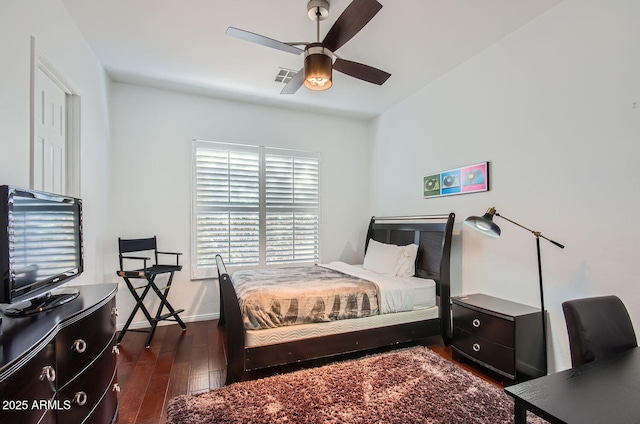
(142, 258)
(172, 253)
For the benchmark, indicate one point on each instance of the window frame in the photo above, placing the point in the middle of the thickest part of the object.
(202, 272)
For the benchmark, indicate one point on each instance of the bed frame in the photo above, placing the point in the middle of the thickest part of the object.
(432, 233)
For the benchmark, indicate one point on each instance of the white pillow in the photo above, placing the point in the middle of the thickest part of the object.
(407, 262)
(383, 258)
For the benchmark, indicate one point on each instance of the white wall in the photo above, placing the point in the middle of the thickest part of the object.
(58, 39)
(151, 187)
(555, 107)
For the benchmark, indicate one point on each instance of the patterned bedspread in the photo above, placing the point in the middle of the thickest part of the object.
(287, 296)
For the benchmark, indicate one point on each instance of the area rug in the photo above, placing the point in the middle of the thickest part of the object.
(413, 385)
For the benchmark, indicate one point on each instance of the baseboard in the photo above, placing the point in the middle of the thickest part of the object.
(193, 318)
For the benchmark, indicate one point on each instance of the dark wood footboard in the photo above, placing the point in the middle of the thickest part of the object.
(433, 236)
(231, 317)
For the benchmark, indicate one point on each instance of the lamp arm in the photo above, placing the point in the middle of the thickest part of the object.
(538, 234)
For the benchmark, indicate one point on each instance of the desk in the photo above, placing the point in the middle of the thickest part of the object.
(604, 391)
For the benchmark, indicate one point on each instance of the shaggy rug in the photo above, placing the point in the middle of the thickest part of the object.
(413, 385)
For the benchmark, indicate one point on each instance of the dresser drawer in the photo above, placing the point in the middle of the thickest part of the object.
(24, 386)
(79, 343)
(484, 325)
(494, 355)
(106, 410)
(85, 389)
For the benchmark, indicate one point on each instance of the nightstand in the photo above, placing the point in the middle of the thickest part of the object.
(503, 336)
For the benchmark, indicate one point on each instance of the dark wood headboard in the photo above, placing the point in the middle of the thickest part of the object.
(432, 234)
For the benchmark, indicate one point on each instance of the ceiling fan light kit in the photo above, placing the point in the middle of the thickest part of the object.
(319, 56)
(318, 62)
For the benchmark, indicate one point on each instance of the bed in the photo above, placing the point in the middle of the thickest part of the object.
(250, 348)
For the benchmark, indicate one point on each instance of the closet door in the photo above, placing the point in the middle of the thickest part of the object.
(50, 115)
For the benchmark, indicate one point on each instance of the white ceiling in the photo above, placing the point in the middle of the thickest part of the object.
(182, 45)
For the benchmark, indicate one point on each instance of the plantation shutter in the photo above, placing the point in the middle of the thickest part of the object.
(227, 191)
(254, 206)
(291, 197)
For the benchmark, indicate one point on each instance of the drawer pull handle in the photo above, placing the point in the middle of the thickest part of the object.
(79, 346)
(476, 347)
(114, 311)
(80, 398)
(476, 323)
(48, 373)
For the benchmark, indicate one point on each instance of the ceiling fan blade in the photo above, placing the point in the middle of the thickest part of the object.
(360, 71)
(294, 83)
(261, 39)
(352, 20)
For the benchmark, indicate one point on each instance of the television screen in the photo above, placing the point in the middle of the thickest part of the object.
(41, 242)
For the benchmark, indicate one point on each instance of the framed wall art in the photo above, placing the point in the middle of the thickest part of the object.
(467, 179)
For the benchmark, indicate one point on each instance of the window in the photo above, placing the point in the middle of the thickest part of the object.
(255, 206)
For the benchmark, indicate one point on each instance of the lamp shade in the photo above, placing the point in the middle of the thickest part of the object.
(484, 223)
(318, 66)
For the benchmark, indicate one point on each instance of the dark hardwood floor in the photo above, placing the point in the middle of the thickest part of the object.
(186, 362)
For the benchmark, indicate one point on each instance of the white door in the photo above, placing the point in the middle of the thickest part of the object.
(49, 155)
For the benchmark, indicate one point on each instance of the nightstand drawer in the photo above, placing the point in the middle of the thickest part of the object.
(492, 354)
(486, 326)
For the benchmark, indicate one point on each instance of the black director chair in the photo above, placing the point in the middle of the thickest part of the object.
(148, 272)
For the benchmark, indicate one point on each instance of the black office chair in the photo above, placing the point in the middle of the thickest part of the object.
(149, 271)
(598, 327)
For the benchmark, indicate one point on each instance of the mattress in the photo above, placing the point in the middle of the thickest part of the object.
(401, 300)
(270, 336)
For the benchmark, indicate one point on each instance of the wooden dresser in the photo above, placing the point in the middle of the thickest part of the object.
(503, 336)
(59, 366)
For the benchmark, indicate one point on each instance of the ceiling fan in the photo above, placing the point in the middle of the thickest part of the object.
(319, 56)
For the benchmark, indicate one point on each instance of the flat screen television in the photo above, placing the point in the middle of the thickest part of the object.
(40, 249)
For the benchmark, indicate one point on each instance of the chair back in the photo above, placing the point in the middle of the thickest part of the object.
(598, 327)
(137, 245)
